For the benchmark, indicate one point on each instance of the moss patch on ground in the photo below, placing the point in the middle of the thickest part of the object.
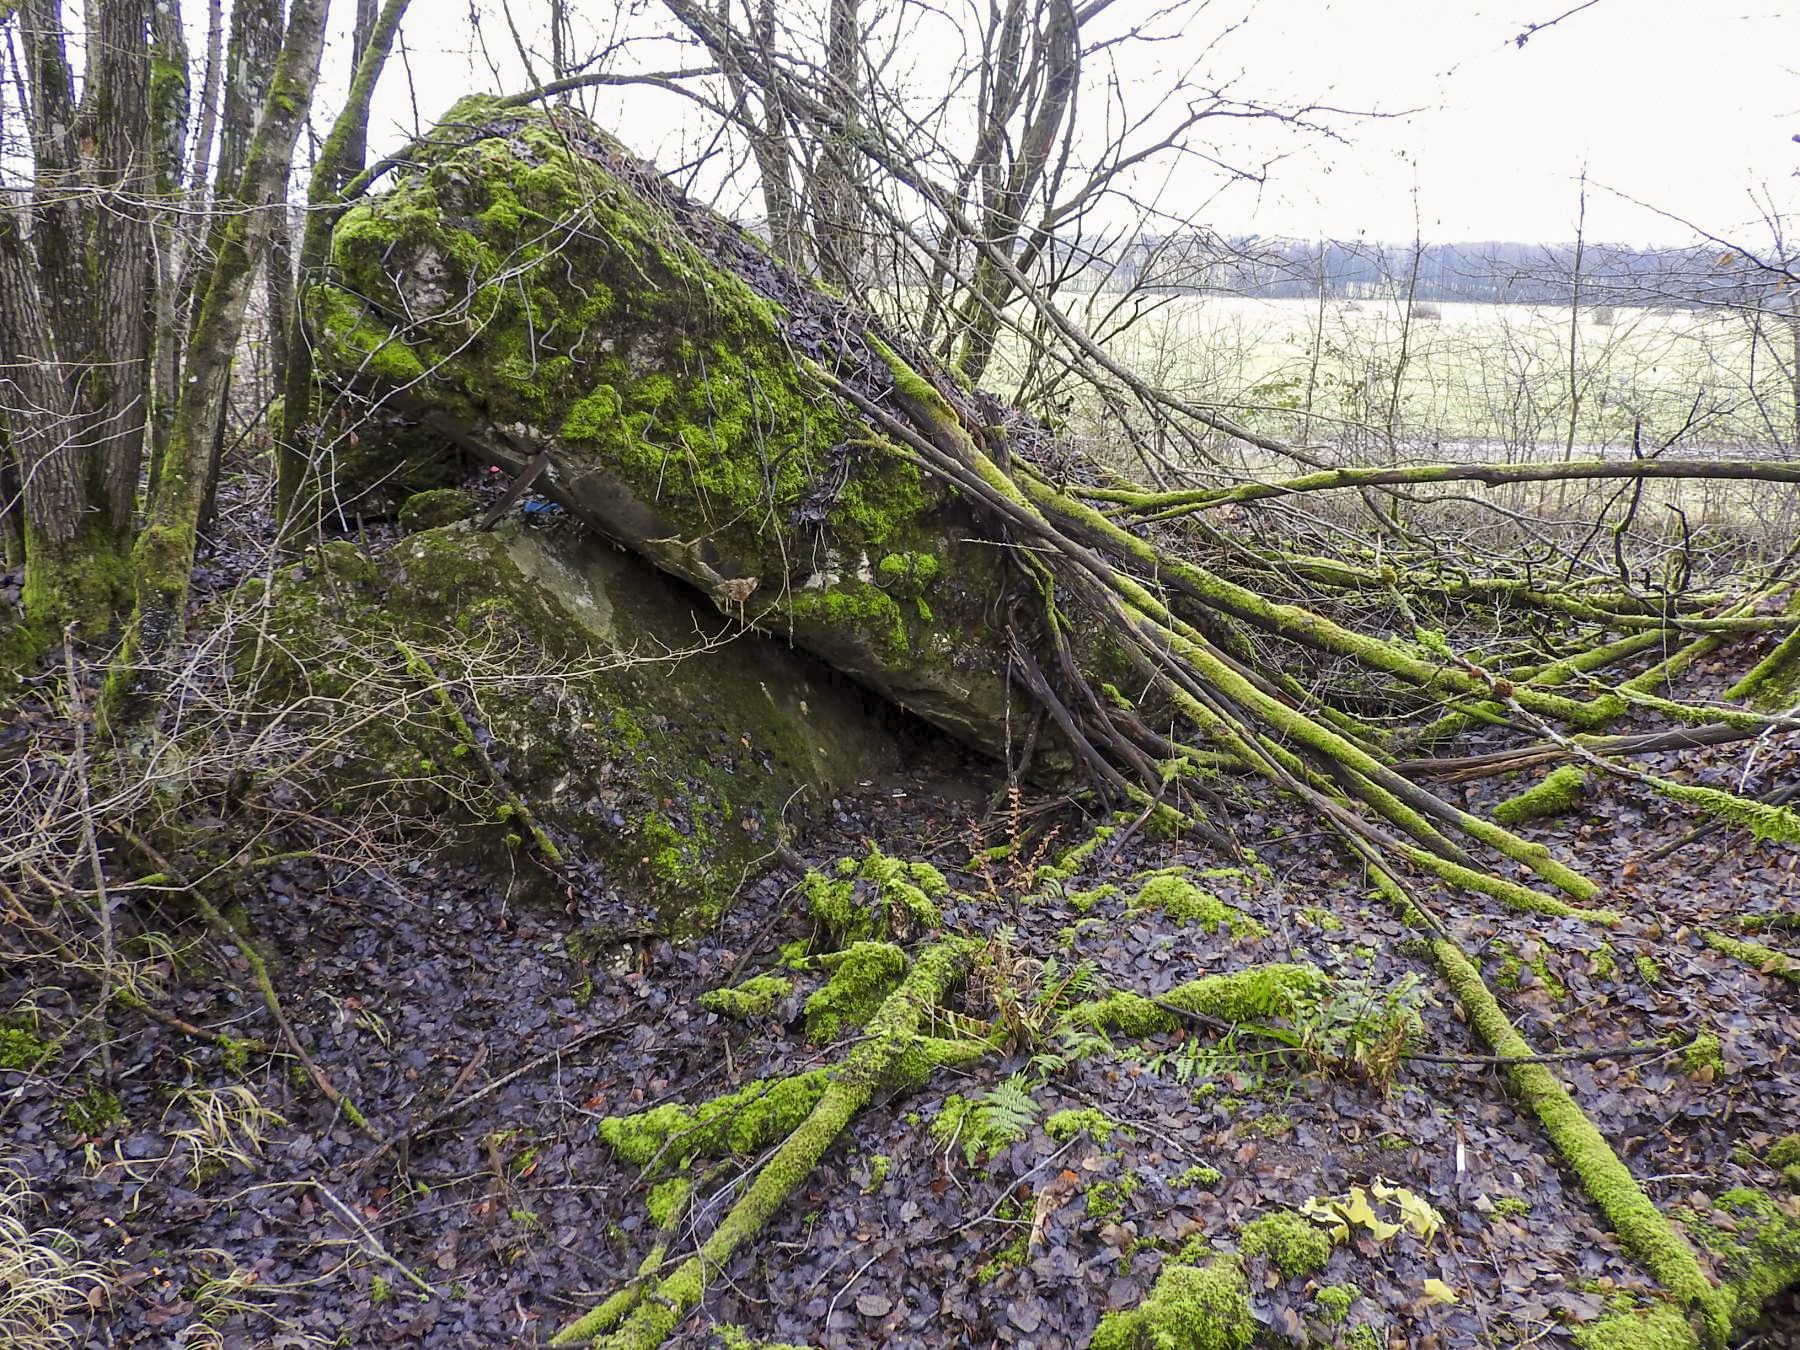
(876, 895)
(1189, 1308)
(1294, 1245)
(1175, 894)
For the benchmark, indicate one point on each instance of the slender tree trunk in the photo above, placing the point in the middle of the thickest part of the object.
(177, 246)
(356, 146)
(1002, 222)
(121, 391)
(837, 215)
(164, 557)
(1574, 339)
(292, 444)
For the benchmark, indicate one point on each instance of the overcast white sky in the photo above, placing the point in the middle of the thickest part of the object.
(1689, 105)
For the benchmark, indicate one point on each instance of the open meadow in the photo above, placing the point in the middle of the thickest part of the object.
(1359, 382)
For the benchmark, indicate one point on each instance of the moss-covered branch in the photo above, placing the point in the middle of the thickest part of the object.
(1646, 1232)
(1172, 503)
(896, 1052)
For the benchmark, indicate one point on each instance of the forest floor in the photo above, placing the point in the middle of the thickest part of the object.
(483, 1036)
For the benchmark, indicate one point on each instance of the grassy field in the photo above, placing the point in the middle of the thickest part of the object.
(1498, 377)
(1359, 384)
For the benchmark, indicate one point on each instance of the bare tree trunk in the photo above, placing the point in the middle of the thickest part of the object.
(57, 226)
(121, 121)
(292, 443)
(836, 206)
(1002, 221)
(74, 323)
(62, 584)
(163, 559)
(177, 243)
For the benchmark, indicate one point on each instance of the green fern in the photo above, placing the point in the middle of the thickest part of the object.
(1007, 1111)
(1002, 1116)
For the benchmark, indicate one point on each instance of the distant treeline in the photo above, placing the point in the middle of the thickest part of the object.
(1490, 271)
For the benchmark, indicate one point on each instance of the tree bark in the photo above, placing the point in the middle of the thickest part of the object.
(1006, 197)
(348, 133)
(163, 558)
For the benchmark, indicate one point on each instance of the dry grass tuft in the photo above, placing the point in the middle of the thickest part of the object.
(41, 1283)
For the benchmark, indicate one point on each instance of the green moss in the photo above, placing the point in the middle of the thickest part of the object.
(1118, 700)
(1259, 993)
(1765, 959)
(1784, 1151)
(1512, 966)
(362, 345)
(1200, 1176)
(1293, 1244)
(1644, 1230)
(1071, 861)
(1604, 961)
(1512, 1207)
(1764, 820)
(1703, 1053)
(737, 1122)
(439, 506)
(908, 573)
(1065, 1125)
(667, 1201)
(736, 1338)
(1108, 1199)
(19, 1049)
(1649, 969)
(1015, 1253)
(593, 416)
(94, 1112)
(880, 1164)
(1560, 790)
(1174, 894)
(755, 997)
(1083, 901)
(865, 974)
(1190, 1308)
(234, 1055)
(1322, 919)
(1334, 1301)
(874, 895)
(1663, 1328)
(1364, 1337)
(861, 607)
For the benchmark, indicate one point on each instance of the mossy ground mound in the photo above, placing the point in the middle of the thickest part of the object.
(623, 712)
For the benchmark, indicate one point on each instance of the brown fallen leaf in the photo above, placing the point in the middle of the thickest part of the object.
(1052, 1198)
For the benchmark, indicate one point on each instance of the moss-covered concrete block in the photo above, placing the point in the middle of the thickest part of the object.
(521, 287)
(620, 709)
(437, 507)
